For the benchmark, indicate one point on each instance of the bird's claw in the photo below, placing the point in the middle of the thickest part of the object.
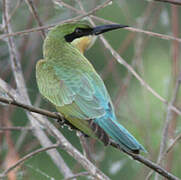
(60, 119)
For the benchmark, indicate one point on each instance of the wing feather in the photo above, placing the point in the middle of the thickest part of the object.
(72, 87)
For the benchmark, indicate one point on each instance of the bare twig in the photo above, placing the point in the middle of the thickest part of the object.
(16, 128)
(35, 14)
(176, 2)
(85, 147)
(175, 69)
(50, 26)
(172, 144)
(166, 124)
(139, 158)
(13, 11)
(78, 175)
(153, 34)
(3, 174)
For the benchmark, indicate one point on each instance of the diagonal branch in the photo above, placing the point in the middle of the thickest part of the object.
(176, 2)
(71, 150)
(20, 161)
(35, 14)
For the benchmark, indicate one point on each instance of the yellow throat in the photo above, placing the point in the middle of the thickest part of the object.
(84, 43)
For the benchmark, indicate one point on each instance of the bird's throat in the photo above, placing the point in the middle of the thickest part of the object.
(84, 43)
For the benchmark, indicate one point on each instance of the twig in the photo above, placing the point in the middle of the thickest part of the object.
(30, 108)
(78, 175)
(176, 2)
(139, 158)
(153, 34)
(85, 147)
(168, 119)
(3, 174)
(166, 124)
(153, 166)
(16, 128)
(62, 22)
(35, 14)
(172, 144)
(13, 11)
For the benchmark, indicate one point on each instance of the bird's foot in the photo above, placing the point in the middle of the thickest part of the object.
(60, 119)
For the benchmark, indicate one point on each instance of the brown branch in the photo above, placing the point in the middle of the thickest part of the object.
(153, 34)
(16, 128)
(176, 2)
(172, 144)
(3, 174)
(35, 14)
(62, 22)
(139, 158)
(30, 108)
(78, 175)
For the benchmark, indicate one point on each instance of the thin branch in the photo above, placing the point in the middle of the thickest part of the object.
(153, 34)
(153, 166)
(3, 174)
(35, 14)
(167, 121)
(139, 158)
(16, 128)
(13, 12)
(78, 175)
(166, 124)
(62, 22)
(31, 108)
(172, 144)
(176, 2)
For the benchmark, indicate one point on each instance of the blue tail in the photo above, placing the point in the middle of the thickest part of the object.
(119, 134)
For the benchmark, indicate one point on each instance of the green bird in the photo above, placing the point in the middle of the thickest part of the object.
(69, 81)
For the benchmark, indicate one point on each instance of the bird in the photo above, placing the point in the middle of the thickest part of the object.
(67, 79)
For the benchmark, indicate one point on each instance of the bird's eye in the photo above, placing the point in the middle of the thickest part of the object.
(78, 31)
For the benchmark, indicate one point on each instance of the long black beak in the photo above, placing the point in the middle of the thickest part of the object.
(104, 28)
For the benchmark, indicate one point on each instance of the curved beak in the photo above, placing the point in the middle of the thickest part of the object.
(104, 28)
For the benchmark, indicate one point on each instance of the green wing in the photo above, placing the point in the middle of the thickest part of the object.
(51, 87)
(70, 89)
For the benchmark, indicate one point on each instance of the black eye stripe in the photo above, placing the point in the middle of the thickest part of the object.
(78, 32)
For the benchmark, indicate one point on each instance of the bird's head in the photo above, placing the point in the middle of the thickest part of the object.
(82, 35)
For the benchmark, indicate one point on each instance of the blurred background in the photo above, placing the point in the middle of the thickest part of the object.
(156, 60)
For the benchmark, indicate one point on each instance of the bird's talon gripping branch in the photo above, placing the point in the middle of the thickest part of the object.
(60, 119)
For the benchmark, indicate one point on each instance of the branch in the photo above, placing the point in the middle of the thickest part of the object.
(35, 14)
(30, 108)
(16, 128)
(3, 174)
(167, 121)
(73, 152)
(176, 2)
(62, 22)
(153, 34)
(78, 175)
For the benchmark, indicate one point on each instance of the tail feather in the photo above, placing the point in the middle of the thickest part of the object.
(119, 134)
